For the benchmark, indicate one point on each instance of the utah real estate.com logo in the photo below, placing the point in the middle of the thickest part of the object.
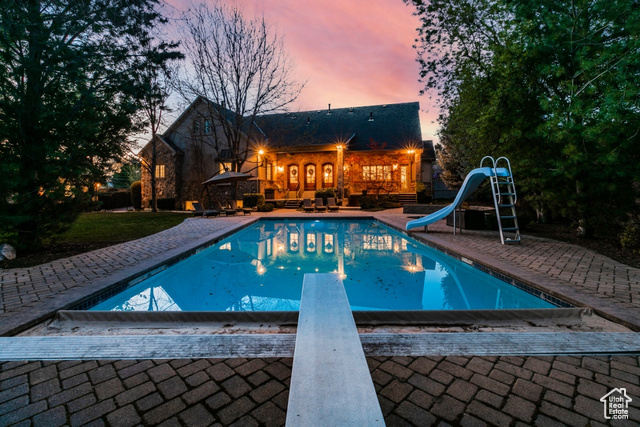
(616, 404)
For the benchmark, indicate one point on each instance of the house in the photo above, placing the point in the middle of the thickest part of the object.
(357, 150)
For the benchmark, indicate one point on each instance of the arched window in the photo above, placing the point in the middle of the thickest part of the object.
(327, 175)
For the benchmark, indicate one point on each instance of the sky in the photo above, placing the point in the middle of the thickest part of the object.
(350, 52)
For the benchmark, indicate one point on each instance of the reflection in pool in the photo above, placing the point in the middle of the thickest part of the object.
(261, 268)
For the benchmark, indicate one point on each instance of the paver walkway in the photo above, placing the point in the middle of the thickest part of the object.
(411, 390)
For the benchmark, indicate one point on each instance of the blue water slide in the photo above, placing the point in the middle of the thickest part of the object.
(471, 182)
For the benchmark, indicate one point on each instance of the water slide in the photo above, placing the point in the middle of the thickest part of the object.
(471, 182)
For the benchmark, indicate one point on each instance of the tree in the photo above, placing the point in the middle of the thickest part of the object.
(241, 67)
(128, 173)
(552, 85)
(69, 91)
(157, 80)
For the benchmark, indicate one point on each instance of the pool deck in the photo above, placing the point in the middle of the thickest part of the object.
(412, 390)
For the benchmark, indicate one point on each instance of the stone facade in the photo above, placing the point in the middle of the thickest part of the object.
(306, 160)
(167, 186)
(404, 169)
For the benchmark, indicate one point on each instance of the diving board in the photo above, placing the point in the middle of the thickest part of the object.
(330, 381)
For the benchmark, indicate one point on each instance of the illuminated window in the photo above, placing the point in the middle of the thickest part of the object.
(327, 175)
(207, 127)
(159, 171)
(269, 247)
(225, 166)
(376, 173)
(269, 171)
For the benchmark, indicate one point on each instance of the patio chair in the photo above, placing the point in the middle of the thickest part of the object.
(226, 211)
(200, 211)
(234, 205)
(320, 205)
(331, 204)
(306, 204)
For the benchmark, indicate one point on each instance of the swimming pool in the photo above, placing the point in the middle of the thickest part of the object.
(261, 268)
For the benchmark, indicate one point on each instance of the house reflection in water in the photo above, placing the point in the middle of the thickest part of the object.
(262, 268)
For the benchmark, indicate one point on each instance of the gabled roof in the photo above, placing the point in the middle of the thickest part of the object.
(397, 125)
(165, 141)
(428, 153)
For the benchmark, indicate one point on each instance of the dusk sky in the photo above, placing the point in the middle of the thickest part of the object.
(353, 53)
(350, 52)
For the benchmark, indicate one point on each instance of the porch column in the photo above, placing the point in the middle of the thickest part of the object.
(340, 162)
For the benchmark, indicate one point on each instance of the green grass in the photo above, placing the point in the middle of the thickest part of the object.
(118, 227)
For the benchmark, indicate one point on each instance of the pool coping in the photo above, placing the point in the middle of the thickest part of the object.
(46, 309)
(549, 285)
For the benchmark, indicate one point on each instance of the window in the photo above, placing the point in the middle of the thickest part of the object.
(225, 166)
(269, 171)
(159, 171)
(196, 126)
(327, 175)
(376, 173)
(207, 127)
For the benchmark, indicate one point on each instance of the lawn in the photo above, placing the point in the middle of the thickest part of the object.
(116, 227)
(96, 230)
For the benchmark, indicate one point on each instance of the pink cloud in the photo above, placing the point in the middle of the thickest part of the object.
(351, 52)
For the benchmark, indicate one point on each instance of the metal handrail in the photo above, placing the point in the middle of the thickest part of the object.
(494, 182)
(511, 181)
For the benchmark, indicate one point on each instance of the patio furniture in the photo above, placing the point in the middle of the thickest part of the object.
(227, 211)
(234, 205)
(331, 204)
(200, 211)
(306, 204)
(320, 205)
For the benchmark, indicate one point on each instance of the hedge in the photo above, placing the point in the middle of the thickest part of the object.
(136, 195)
(113, 199)
(251, 200)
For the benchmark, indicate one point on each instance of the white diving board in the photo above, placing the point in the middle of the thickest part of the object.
(330, 381)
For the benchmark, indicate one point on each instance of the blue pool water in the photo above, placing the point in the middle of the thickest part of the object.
(261, 268)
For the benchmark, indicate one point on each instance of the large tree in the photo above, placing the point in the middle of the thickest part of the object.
(240, 65)
(553, 85)
(69, 91)
(157, 78)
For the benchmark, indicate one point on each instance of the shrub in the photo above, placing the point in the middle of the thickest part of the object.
(324, 193)
(630, 237)
(368, 202)
(113, 199)
(251, 200)
(265, 207)
(136, 195)
(167, 204)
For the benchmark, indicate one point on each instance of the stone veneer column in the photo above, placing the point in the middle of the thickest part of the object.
(340, 167)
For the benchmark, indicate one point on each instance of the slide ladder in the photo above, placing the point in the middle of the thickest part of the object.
(503, 189)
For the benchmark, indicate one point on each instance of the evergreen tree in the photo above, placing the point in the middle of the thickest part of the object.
(552, 85)
(69, 91)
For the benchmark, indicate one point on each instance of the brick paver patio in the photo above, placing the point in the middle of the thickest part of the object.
(468, 390)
